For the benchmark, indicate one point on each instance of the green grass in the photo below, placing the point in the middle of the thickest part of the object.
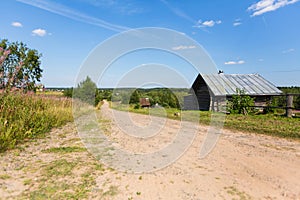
(64, 150)
(66, 179)
(269, 124)
(25, 116)
(58, 190)
(4, 176)
(236, 193)
(59, 168)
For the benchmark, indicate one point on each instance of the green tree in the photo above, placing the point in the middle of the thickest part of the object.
(68, 92)
(87, 92)
(240, 103)
(297, 102)
(19, 66)
(134, 98)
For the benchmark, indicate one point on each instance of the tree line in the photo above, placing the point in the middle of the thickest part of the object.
(171, 98)
(88, 92)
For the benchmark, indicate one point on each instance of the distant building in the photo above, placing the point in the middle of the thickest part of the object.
(210, 90)
(145, 102)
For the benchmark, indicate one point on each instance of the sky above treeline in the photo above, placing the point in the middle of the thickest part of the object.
(240, 37)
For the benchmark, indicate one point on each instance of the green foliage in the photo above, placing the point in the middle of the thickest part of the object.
(137, 106)
(135, 97)
(60, 168)
(286, 90)
(168, 98)
(104, 94)
(68, 92)
(19, 66)
(297, 102)
(87, 92)
(269, 108)
(28, 116)
(240, 103)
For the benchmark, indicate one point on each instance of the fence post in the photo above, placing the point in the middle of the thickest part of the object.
(289, 105)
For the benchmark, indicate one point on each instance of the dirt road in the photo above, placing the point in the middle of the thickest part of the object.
(241, 166)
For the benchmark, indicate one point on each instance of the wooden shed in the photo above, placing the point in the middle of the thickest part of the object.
(145, 102)
(209, 90)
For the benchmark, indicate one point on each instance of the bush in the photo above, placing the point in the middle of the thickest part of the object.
(240, 103)
(269, 108)
(68, 92)
(137, 106)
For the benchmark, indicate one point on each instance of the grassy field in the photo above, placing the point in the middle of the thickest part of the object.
(24, 116)
(269, 124)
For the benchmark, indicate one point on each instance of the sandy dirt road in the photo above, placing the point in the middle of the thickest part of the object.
(241, 166)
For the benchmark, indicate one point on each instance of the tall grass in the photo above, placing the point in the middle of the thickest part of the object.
(25, 116)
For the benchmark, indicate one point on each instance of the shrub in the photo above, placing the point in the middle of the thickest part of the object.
(137, 106)
(68, 92)
(269, 108)
(240, 103)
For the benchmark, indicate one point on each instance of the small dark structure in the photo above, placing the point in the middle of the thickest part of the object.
(145, 102)
(209, 91)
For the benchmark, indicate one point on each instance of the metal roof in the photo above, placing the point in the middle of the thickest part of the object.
(252, 84)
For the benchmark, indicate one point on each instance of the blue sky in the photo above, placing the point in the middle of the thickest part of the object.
(240, 36)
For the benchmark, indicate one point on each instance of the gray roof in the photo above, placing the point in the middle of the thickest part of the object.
(252, 84)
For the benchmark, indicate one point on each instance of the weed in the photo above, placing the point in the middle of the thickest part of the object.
(25, 116)
(4, 176)
(235, 192)
(64, 150)
(27, 181)
(59, 168)
(112, 191)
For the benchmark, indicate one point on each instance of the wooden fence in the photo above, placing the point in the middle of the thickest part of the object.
(289, 105)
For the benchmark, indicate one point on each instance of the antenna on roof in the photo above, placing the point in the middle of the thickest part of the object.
(220, 72)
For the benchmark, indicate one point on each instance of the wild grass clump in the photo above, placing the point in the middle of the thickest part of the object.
(25, 116)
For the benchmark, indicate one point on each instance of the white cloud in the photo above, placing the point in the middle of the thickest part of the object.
(264, 6)
(39, 32)
(208, 23)
(16, 24)
(239, 62)
(288, 51)
(261, 60)
(237, 22)
(230, 63)
(181, 47)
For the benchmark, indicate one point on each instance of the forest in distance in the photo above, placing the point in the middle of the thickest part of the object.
(167, 97)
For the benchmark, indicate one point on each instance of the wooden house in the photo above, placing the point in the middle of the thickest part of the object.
(145, 102)
(210, 90)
